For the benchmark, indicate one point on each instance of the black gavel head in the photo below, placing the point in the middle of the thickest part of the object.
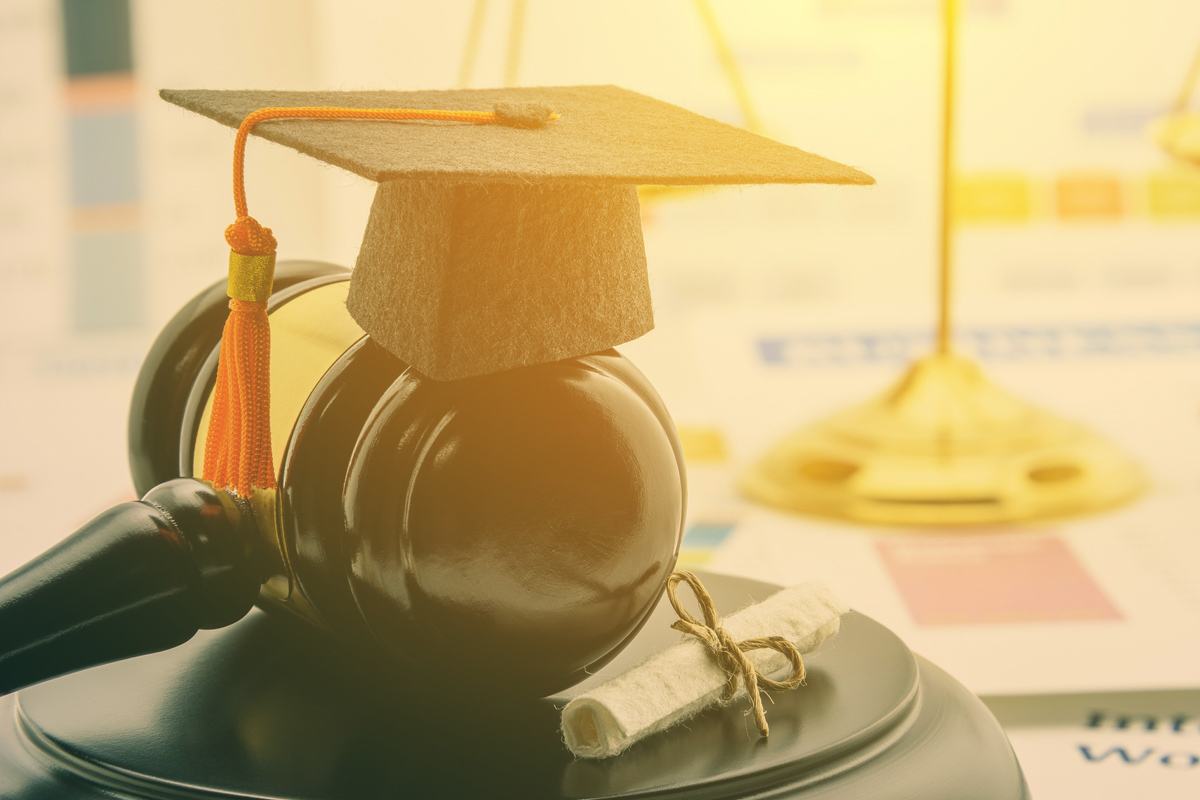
(512, 529)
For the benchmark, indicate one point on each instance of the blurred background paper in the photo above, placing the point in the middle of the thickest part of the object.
(1078, 268)
(1116, 745)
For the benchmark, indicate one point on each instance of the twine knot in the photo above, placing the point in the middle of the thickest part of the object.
(731, 655)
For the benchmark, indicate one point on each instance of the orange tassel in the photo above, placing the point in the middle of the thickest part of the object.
(237, 454)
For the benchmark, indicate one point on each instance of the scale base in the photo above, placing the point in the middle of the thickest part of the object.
(945, 446)
(268, 709)
(1179, 135)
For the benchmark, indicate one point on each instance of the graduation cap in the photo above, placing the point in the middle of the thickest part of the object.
(492, 247)
(496, 246)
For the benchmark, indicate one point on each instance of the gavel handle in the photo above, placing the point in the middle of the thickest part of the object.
(141, 577)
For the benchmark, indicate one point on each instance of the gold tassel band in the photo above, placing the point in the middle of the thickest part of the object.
(250, 277)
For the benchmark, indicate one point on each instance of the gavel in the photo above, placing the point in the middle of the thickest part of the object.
(512, 530)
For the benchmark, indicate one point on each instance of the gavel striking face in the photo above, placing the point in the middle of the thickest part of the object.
(512, 530)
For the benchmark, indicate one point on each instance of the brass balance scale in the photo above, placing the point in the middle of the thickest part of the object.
(945, 445)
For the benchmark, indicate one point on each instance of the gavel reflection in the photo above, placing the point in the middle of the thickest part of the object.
(512, 530)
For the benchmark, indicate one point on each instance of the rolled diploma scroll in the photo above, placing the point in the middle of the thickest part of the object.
(685, 679)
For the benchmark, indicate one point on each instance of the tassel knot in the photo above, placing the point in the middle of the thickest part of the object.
(249, 238)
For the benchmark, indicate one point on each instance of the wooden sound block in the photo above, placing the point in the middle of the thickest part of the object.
(268, 708)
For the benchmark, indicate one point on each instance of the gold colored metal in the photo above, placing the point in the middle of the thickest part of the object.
(944, 446)
(751, 121)
(729, 66)
(466, 65)
(1179, 132)
(516, 34)
(946, 227)
(1179, 136)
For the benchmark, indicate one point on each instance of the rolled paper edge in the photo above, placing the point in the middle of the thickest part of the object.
(593, 731)
(590, 728)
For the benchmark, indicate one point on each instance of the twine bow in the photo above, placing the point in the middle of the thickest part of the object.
(731, 655)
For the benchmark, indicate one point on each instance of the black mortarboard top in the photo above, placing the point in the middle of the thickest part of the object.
(491, 247)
